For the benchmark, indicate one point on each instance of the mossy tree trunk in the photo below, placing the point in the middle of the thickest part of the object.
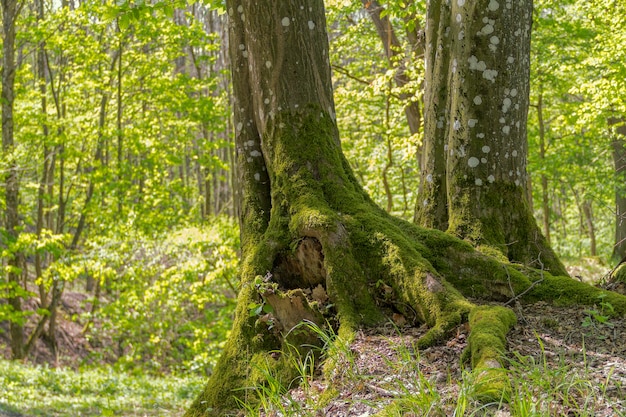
(474, 161)
(315, 247)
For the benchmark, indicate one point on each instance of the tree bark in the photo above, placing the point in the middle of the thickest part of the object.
(473, 181)
(10, 12)
(619, 162)
(545, 198)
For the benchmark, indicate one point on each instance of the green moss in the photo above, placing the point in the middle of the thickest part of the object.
(232, 371)
(566, 291)
(489, 326)
(327, 397)
(498, 216)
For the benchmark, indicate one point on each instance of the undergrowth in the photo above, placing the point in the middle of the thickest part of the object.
(43, 391)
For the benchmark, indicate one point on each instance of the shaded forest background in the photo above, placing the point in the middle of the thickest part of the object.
(126, 247)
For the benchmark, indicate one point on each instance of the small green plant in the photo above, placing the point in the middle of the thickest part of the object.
(272, 396)
(599, 316)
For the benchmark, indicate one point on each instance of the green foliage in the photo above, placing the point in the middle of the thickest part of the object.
(168, 298)
(370, 110)
(577, 75)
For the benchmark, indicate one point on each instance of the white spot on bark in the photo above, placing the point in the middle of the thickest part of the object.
(311, 24)
(510, 173)
(480, 135)
(483, 160)
(268, 64)
(429, 178)
(493, 5)
(242, 47)
(506, 130)
(461, 3)
(490, 75)
(517, 182)
(475, 64)
(230, 11)
(439, 124)
(486, 149)
(502, 120)
(257, 176)
(478, 100)
(506, 104)
(491, 179)
(286, 21)
(472, 122)
(249, 159)
(473, 162)
(513, 92)
(514, 153)
(487, 29)
(240, 8)
(255, 153)
(458, 18)
(425, 203)
(239, 126)
(494, 40)
(478, 182)
(266, 101)
(510, 60)
(244, 54)
(457, 125)
(250, 143)
(461, 35)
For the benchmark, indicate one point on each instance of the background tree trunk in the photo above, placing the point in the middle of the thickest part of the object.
(474, 177)
(619, 161)
(10, 11)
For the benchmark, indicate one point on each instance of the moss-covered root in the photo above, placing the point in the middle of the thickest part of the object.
(489, 326)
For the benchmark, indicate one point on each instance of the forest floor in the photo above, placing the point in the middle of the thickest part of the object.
(561, 362)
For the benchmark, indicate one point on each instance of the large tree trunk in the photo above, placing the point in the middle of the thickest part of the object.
(315, 247)
(474, 170)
